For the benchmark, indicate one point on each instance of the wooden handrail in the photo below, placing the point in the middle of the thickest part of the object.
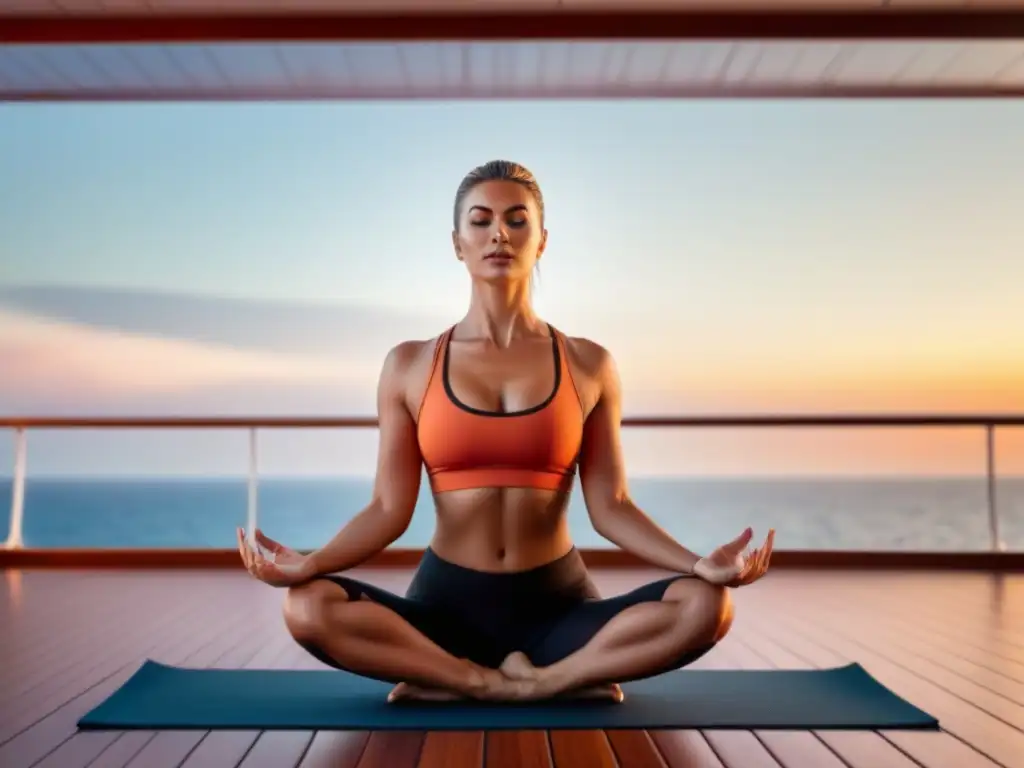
(363, 422)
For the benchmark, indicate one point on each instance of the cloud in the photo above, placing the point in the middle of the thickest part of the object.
(91, 350)
(58, 366)
(338, 331)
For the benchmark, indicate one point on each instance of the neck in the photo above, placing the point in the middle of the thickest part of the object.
(499, 312)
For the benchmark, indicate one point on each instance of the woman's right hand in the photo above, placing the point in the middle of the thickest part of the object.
(284, 568)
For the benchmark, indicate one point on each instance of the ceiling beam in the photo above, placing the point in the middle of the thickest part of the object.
(882, 23)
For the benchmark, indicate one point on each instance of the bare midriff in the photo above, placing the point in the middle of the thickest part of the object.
(501, 529)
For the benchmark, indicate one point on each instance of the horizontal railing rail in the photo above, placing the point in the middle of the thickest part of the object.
(21, 424)
(314, 422)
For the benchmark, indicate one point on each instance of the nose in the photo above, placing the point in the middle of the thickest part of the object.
(500, 233)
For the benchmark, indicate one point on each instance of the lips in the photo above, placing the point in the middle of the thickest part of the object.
(501, 256)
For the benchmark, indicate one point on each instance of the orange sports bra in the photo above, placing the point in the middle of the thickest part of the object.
(465, 447)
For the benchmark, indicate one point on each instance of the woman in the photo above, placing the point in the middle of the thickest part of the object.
(501, 409)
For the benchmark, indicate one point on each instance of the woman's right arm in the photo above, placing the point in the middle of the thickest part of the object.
(397, 483)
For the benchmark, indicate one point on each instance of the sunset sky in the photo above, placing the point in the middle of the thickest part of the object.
(734, 256)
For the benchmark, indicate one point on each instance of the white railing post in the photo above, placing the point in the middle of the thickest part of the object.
(250, 518)
(995, 537)
(14, 534)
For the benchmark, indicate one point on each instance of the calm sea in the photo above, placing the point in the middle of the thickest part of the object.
(902, 514)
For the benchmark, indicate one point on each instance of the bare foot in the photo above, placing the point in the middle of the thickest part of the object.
(611, 692)
(517, 666)
(406, 692)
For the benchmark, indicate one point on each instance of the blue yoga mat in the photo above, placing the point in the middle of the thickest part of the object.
(159, 697)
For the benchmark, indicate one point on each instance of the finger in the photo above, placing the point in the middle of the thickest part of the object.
(270, 573)
(756, 560)
(243, 549)
(741, 541)
(750, 573)
(765, 552)
(259, 566)
(769, 546)
(251, 554)
(267, 542)
(754, 571)
(762, 566)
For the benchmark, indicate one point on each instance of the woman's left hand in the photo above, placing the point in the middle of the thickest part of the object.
(731, 566)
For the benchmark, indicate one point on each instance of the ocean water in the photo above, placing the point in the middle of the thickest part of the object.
(807, 513)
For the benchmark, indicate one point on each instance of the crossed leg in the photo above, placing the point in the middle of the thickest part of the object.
(658, 627)
(600, 643)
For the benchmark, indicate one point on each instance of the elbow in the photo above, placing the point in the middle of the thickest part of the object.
(396, 516)
(602, 518)
(606, 513)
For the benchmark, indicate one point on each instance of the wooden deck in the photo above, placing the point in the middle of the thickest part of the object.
(953, 643)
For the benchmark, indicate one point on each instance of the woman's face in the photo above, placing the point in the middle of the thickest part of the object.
(500, 237)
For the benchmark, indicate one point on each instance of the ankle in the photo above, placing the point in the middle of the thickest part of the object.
(477, 681)
(553, 680)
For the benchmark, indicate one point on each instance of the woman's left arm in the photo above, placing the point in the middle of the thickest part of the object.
(605, 488)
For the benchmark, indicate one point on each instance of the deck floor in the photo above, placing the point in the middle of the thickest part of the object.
(951, 643)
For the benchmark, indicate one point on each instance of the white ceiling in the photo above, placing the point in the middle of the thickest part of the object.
(546, 69)
(451, 70)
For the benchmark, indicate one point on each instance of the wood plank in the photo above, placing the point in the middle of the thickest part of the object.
(518, 749)
(574, 748)
(453, 749)
(171, 748)
(967, 672)
(987, 735)
(857, 749)
(392, 749)
(991, 629)
(46, 727)
(999, 696)
(285, 749)
(79, 653)
(788, 749)
(935, 750)
(161, 748)
(635, 749)
(335, 749)
(216, 749)
(685, 749)
(736, 749)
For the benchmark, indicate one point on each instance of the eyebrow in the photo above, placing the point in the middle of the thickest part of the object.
(485, 209)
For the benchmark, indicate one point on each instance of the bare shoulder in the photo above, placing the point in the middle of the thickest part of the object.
(591, 359)
(407, 367)
(406, 354)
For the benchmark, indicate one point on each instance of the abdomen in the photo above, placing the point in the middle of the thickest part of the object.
(501, 529)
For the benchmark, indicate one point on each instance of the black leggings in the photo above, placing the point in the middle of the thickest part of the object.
(547, 612)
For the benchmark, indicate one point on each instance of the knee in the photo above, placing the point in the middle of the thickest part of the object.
(705, 609)
(307, 606)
